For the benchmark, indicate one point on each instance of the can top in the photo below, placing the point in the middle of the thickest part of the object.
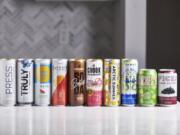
(43, 60)
(78, 59)
(59, 60)
(129, 60)
(94, 59)
(167, 70)
(147, 70)
(20, 59)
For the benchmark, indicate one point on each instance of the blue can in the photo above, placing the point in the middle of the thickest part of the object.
(129, 71)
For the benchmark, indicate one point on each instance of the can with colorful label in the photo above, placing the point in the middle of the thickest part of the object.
(111, 82)
(42, 82)
(147, 87)
(94, 81)
(76, 82)
(167, 87)
(8, 82)
(129, 71)
(59, 82)
(25, 81)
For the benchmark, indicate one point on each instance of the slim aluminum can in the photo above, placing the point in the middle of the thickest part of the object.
(147, 89)
(167, 87)
(8, 82)
(129, 71)
(25, 81)
(94, 82)
(76, 82)
(112, 82)
(42, 82)
(59, 82)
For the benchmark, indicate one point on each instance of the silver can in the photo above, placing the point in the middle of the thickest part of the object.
(8, 82)
(42, 82)
(25, 81)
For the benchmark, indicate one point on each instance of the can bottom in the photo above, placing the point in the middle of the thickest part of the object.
(165, 105)
(128, 105)
(147, 105)
(42, 104)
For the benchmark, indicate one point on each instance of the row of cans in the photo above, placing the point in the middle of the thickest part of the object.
(92, 82)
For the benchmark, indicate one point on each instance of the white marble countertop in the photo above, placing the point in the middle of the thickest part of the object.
(90, 120)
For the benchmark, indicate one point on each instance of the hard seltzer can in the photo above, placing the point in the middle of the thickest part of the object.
(167, 87)
(147, 87)
(111, 82)
(25, 81)
(42, 82)
(8, 82)
(129, 71)
(94, 82)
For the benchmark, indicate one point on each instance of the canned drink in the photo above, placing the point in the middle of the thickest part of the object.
(59, 82)
(94, 81)
(42, 82)
(8, 82)
(167, 87)
(25, 81)
(111, 82)
(147, 89)
(76, 82)
(129, 71)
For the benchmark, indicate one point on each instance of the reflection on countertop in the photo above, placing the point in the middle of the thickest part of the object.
(89, 120)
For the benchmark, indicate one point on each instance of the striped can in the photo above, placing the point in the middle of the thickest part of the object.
(111, 82)
(59, 82)
(129, 71)
(25, 81)
(147, 87)
(94, 82)
(8, 82)
(42, 82)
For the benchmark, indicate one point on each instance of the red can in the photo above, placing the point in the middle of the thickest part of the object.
(94, 82)
(167, 87)
(59, 81)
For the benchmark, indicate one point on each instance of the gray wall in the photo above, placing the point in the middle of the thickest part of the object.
(163, 34)
(56, 29)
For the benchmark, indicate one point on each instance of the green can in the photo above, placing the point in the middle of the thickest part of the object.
(147, 87)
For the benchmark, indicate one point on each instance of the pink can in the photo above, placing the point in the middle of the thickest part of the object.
(94, 82)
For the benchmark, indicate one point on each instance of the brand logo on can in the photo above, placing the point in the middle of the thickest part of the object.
(8, 79)
(113, 82)
(24, 82)
(78, 82)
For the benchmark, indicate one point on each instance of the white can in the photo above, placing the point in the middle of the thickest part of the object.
(8, 82)
(42, 82)
(94, 82)
(25, 77)
(59, 82)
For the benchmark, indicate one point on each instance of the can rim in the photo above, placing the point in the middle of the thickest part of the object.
(112, 59)
(25, 59)
(147, 69)
(129, 59)
(59, 59)
(167, 70)
(44, 60)
(94, 59)
(77, 59)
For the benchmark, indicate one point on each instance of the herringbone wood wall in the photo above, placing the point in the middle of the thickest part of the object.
(56, 29)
